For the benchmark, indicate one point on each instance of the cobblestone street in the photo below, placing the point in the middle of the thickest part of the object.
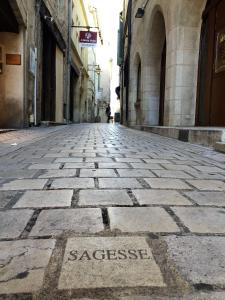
(97, 211)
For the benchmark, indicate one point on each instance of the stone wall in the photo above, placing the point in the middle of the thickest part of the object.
(180, 23)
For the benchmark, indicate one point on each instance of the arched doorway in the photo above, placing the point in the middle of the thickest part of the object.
(211, 82)
(155, 55)
(138, 103)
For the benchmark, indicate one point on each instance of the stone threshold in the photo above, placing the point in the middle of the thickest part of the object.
(206, 136)
(6, 130)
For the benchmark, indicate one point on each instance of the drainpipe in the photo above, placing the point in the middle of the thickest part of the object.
(68, 54)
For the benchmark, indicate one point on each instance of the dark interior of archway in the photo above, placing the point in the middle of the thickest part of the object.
(211, 81)
(8, 22)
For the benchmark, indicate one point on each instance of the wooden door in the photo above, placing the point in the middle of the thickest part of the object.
(211, 83)
(48, 106)
(162, 86)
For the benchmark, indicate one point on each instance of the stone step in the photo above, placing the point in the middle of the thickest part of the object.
(206, 136)
(220, 146)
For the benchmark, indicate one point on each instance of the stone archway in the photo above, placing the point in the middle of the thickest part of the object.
(155, 60)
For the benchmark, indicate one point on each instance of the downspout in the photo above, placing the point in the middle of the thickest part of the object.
(68, 54)
(128, 58)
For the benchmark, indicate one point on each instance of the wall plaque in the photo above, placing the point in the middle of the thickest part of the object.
(220, 52)
(13, 59)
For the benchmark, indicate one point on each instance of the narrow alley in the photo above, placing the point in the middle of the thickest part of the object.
(100, 211)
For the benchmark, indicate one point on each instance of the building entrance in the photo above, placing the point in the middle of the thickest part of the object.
(211, 85)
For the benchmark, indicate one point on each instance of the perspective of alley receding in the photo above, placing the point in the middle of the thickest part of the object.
(112, 149)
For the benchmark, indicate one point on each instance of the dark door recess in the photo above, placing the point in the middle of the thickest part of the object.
(162, 86)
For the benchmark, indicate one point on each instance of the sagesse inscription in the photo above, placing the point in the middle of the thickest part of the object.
(131, 254)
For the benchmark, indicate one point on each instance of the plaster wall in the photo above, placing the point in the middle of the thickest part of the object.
(11, 82)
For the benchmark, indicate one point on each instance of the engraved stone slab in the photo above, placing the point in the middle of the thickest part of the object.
(58, 221)
(25, 184)
(23, 264)
(13, 222)
(141, 219)
(101, 262)
(45, 199)
(199, 259)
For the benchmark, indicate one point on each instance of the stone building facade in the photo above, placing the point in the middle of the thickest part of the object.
(34, 62)
(173, 69)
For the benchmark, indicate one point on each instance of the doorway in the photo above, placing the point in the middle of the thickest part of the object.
(162, 86)
(48, 106)
(211, 82)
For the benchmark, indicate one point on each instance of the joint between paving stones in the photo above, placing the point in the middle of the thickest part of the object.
(133, 198)
(30, 224)
(177, 220)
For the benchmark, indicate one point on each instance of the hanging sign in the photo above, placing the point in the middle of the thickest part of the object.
(88, 39)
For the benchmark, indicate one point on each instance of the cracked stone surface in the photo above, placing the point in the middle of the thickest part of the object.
(104, 266)
(57, 221)
(199, 259)
(13, 222)
(22, 265)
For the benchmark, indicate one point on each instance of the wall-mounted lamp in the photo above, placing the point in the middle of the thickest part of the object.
(51, 19)
(140, 13)
(97, 69)
(141, 10)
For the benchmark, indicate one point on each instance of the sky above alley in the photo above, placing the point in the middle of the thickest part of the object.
(108, 12)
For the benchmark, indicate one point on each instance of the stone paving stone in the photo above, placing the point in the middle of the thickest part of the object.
(45, 199)
(202, 219)
(44, 166)
(209, 169)
(73, 183)
(58, 221)
(97, 173)
(56, 155)
(18, 174)
(165, 183)
(207, 198)
(69, 160)
(172, 174)
(119, 183)
(199, 259)
(200, 175)
(84, 155)
(135, 173)
(160, 197)
(141, 219)
(104, 197)
(129, 160)
(13, 222)
(103, 262)
(195, 296)
(157, 161)
(208, 185)
(113, 165)
(24, 184)
(146, 166)
(6, 197)
(173, 167)
(100, 160)
(83, 165)
(23, 265)
(59, 173)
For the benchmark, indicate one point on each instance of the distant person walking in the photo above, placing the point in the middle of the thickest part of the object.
(108, 113)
